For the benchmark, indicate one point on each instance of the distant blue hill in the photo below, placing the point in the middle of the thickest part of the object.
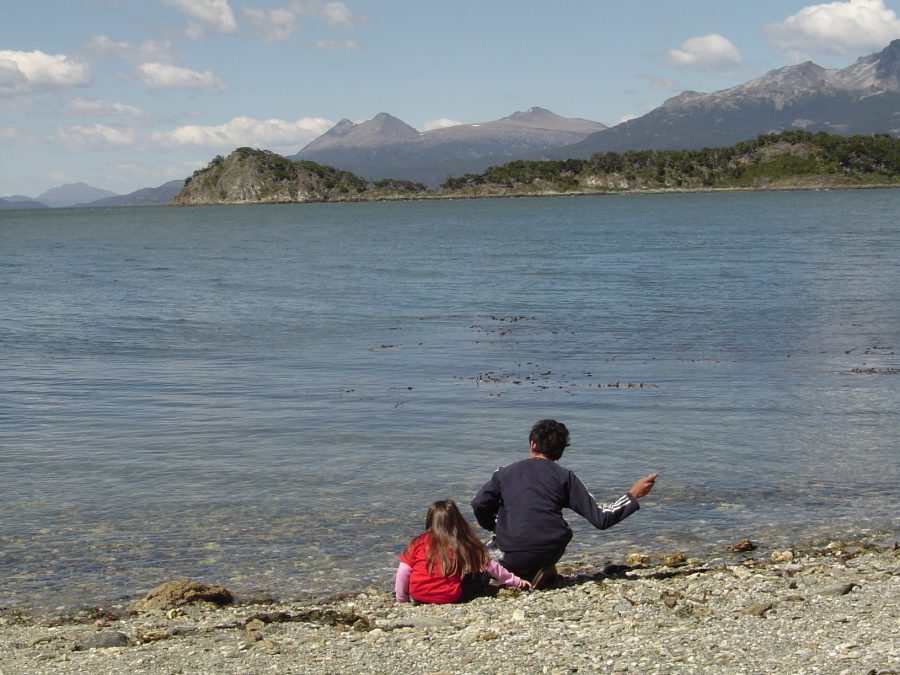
(72, 195)
(19, 203)
(157, 196)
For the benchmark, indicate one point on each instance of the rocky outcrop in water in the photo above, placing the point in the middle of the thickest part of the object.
(182, 592)
(250, 176)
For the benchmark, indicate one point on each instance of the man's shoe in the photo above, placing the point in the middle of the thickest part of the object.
(544, 577)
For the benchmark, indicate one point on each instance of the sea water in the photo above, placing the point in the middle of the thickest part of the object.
(269, 397)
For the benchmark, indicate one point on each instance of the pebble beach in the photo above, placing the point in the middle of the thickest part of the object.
(828, 607)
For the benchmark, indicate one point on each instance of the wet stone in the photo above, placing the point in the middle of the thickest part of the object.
(837, 589)
(758, 608)
(105, 640)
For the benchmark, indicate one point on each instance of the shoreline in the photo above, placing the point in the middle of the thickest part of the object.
(73, 597)
(463, 196)
(817, 607)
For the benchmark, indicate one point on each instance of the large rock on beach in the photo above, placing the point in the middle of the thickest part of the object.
(105, 640)
(181, 592)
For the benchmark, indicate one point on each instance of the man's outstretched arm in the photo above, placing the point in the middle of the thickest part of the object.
(603, 516)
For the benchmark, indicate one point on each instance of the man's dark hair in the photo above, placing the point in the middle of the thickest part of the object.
(550, 438)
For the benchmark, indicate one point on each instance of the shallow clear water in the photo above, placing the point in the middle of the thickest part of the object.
(269, 397)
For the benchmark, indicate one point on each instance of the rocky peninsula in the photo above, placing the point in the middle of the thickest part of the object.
(832, 607)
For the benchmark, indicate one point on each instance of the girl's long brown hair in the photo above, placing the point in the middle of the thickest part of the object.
(455, 547)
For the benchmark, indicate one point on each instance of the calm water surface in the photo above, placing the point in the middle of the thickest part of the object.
(269, 397)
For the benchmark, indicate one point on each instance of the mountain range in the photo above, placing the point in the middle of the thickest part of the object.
(386, 147)
(84, 195)
(863, 98)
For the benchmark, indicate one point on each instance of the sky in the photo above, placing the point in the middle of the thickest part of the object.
(127, 94)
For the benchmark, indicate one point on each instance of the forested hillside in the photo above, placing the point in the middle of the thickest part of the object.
(788, 159)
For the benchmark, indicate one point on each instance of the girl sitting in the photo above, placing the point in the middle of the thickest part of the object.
(447, 562)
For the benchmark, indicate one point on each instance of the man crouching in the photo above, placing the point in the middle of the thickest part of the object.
(522, 504)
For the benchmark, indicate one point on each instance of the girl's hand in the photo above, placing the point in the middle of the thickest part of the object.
(523, 584)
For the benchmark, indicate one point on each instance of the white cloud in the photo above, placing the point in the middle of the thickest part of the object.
(194, 30)
(159, 75)
(337, 45)
(215, 14)
(15, 135)
(12, 80)
(272, 25)
(441, 123)
(159, 52)
(93, 137)
(272, 134)
(27, 72)
(98, 106)
(847, 28)
(279, 23)
(334, 13)
(711, 52)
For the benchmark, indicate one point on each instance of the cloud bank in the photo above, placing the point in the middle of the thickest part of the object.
(215, 14)
(337, 45)
(279, 23)
(333, 13)
(160, 52)
(15, 135)
(31, 72)
(844, 28)
(272, 25)
(80, 138)
(165, 75)
(98, 106)
(246, 131)
(272, 134)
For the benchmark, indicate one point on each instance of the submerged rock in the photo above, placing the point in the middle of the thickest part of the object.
(741, 546)
(674, 560)
(637, 560)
